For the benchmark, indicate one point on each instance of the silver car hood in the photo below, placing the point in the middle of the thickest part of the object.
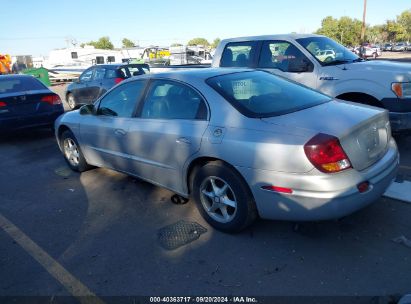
(364, 131)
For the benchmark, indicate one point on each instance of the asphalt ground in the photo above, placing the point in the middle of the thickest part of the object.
(97, 233)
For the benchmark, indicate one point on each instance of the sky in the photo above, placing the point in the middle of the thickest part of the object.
(35, 27)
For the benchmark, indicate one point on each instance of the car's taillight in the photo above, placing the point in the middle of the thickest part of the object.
(118, 80)
(2, 104)
(51, 99)
(326, 153)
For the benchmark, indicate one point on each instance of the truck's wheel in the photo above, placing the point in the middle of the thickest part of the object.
(223, 197)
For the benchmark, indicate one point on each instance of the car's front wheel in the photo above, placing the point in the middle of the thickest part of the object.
(72, 152)
(223, 197)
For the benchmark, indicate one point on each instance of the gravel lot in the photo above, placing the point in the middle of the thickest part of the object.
(65, 233)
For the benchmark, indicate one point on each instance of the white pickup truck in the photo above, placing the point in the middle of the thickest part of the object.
(343, 75)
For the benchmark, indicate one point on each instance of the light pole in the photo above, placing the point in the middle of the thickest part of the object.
(363, 22)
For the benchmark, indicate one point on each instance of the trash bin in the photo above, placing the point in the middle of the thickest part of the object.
(41, 74)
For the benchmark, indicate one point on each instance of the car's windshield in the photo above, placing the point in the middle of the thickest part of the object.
(261, 94)
(327, 51)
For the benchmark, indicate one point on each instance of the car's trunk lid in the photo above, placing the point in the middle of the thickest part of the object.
(363, 131)
(25, 103)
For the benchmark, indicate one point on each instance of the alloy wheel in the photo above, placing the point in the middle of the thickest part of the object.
(218, 199)
(71, 152)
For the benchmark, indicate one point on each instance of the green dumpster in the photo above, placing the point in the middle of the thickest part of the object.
(41, 74)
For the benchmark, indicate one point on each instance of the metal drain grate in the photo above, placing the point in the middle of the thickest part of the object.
(179, 234)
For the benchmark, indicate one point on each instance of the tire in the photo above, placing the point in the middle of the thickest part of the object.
(71, 101)
(72, 152)
(223, 197)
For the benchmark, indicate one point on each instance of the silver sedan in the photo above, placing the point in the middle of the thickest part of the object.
(241, 143)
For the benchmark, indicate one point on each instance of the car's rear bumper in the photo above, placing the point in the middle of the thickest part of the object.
(29, 121)
(320, 197)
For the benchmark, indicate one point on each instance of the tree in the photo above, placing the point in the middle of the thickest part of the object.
(329, 28)
(395, 31)
(347, 30)
(176, 44)
(103, 43)
(199, 41)
(405, 21)
(215, 43)
(127, 43)
(375, 34)
(344, 30)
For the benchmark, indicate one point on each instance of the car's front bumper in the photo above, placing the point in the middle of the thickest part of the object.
(400, 121)
(320, 197)
(400, 112)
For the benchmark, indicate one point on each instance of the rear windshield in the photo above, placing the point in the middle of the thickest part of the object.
(261, 94)
(13, 85)
(131, 70)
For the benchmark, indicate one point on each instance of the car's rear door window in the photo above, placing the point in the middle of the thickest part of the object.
(122, 101)
(111, 73)
(238, 54)
(261, 94)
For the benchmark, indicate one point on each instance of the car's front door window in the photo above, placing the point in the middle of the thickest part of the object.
(99, 74)
(121, 101)
(86, 76)
(173, 100)
(284, 56)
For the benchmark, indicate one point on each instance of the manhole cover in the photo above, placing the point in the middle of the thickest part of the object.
(179, 234)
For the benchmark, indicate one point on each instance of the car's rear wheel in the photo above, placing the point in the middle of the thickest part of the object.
(223, 197)
(71, 101)
(72, 152)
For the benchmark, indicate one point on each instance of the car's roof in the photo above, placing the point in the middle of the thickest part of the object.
(117, 65)
(197, 74)
(273, 37)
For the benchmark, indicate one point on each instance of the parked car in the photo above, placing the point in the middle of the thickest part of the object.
(98, 79)
(386, 47)
(240, 142)
(325, 55)
(399, 47)
(378, 83)
(26, 103)
(369, 50)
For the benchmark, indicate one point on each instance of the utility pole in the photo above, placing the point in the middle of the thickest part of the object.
(363, 22)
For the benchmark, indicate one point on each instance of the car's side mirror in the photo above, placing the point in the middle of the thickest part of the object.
(300, 66)
(87, 109)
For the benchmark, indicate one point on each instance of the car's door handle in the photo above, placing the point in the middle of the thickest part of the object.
(120, 132)
(183, 140)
